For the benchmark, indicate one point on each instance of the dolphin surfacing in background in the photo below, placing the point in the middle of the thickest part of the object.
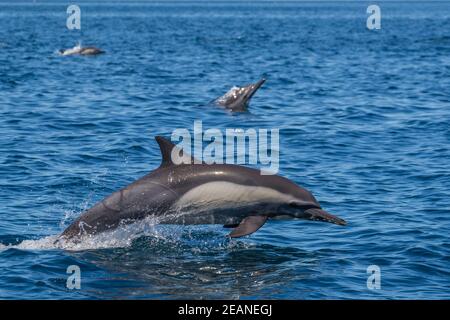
(234, 196)
(79, 50)
(238, 98)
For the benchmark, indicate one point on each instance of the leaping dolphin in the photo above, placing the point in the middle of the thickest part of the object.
(235, 196)
(238, 98)
(84, 51)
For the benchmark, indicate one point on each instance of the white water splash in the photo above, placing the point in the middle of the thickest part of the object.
(117, 238)
(232, 93)
(45, 243)
(76, 49)
(120, 237)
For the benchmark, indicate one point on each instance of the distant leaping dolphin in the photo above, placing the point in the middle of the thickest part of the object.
(79, 50)
(238, 98)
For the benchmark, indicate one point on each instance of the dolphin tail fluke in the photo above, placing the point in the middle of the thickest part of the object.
(321, 215)
(248, 226)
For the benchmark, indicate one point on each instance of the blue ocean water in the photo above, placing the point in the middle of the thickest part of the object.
(364, 119)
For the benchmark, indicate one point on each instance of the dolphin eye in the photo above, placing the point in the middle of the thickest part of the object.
(304, 205)
(294, 204)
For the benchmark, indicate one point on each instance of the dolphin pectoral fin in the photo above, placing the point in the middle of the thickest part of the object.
(248, 226)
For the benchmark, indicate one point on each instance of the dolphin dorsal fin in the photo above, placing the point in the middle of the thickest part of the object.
(166, 146)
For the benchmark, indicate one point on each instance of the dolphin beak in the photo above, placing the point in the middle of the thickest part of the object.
(257, 85)
(252, 88)
(321, 215)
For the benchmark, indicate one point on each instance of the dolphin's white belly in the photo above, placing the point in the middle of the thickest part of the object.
(74, 50)
(222, 202)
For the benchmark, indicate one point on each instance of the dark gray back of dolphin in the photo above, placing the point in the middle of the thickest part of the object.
(78, 50)
(238, 98)
(232, 195)
(90, 51)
